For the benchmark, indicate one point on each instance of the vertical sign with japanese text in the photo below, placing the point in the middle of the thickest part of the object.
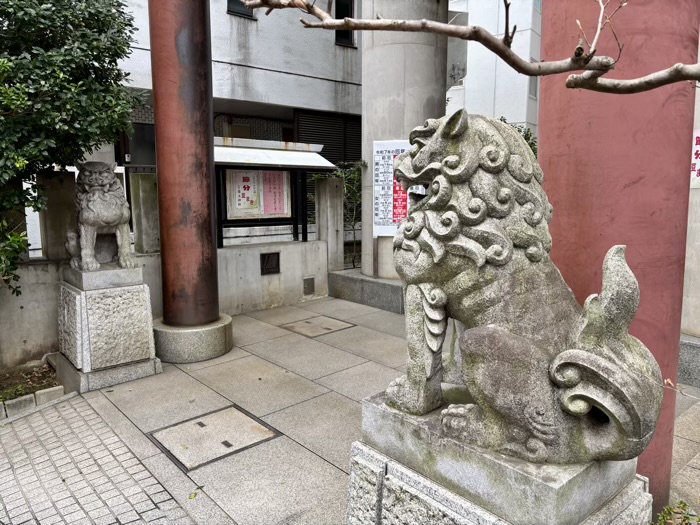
(390, 201)
(695, 161)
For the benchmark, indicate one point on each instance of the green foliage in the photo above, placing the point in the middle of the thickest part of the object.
(62, 95)
(351, 173)
(680, 514)
(13, 245)
(526, 134)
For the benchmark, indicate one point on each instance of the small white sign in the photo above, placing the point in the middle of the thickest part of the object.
(390, 200)
(695, 161)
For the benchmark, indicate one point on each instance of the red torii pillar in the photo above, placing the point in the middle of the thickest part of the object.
(617, 172)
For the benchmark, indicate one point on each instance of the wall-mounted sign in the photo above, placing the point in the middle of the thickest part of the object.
(254, 194)
(695, 161)
(390, 200)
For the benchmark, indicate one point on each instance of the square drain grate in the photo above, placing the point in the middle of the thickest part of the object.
(205, 439)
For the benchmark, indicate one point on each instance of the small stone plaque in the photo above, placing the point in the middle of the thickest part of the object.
(316, 326)
(205, 439)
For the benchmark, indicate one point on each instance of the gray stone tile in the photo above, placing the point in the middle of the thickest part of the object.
(278, 482)
(360, 381)
(684, 451)
(387, 322)
(326, 425)
(206, 438)
(202, 508)
(257, 385)
(304, 356)
(247, 330)
(686, 398)
(140, 445)
(316, 326)
(340, 309)
(687, 425)
(164, 399)
(234, 353)
(370, 344)
(686, 484)
(282, 315)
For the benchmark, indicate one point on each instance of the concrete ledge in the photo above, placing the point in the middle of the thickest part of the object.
(352, 285)
(108, 276)
(523, 493)
(19, 405)
(191, 344)
(73, 380)
(689, 361)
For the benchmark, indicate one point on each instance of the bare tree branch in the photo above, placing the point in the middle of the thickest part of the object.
(508, 36)
(593, 67)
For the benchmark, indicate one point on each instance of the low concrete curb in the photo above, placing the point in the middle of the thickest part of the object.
(352, 285)
(36, 408)
(20, 405)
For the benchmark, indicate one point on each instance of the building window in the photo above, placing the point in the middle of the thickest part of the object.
(538, 5)
(236, 7)
(344, 9)
(534, 87)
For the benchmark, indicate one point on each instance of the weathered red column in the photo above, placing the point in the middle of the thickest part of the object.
(616, 171)
(182, 92)
(191, 328)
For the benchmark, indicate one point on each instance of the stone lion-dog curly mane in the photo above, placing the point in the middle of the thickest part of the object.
(549, 381)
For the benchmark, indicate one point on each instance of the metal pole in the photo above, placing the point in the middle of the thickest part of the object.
(182, 92)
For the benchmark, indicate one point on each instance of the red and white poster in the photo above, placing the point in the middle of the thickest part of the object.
(695, 161)
(390, 200)
(253, 194)
(274, 192)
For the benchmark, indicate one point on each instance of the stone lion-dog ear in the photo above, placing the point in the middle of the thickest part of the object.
(456, 125)
(113, 166)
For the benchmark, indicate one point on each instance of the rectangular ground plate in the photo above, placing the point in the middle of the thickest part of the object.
(210, 437)
(316, 326)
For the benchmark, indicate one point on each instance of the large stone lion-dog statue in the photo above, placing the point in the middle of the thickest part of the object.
(550, 381)
(101, 208)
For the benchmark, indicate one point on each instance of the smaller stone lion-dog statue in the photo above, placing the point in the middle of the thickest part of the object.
(101, 208)
(549, 381)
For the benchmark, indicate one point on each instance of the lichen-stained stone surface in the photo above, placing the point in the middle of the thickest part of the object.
(365, 488)
(121, 325)
(69, 325)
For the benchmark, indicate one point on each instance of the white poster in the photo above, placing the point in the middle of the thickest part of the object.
(695, 161)
(390, 200)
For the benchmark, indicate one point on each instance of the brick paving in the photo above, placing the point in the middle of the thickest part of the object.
(65, 465)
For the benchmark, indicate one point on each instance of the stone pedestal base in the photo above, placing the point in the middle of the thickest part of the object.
(105, 323)
(383, 492)
(511, 490)
(190, 344)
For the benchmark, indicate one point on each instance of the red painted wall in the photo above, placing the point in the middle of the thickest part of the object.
(617, 172)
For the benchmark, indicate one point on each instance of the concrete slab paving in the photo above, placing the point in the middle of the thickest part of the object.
(316, 326)
(206, 438)
(247, 330)
(684, 451)
(278, 482)
(387, 322)
(686, 398)
(687, 424)
(370, 344)
(340, 309)
(304, 356)
(360, 381)
(686, 484)
(164, 399)
(234, 353)
(257, 385)
(282, 315)
(327, 425)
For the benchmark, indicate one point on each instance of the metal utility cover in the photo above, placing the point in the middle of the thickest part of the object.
(316, 326)
(205, 439)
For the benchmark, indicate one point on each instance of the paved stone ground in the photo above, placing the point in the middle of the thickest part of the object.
(300, 369)
(64, 464)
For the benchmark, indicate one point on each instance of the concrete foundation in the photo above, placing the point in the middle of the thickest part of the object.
(352, 285)
(190, 344)
(383, 491)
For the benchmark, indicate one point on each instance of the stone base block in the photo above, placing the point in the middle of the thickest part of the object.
(106, 327)
(384, 492)
(73, 380)
(521, 492)
(108, 276)
(190, 344)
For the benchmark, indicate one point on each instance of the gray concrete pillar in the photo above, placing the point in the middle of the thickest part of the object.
(403, 84)
(144, 212)
(59, 216)
(329, 220)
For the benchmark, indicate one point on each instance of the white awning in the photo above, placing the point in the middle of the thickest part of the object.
(272, 158)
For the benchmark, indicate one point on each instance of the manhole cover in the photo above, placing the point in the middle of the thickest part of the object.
(316, 326)
(205, 439)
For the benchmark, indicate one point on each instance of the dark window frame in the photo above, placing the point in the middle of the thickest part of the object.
(236, 8)
(345, 37)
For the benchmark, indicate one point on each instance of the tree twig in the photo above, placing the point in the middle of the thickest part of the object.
(508, 36)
